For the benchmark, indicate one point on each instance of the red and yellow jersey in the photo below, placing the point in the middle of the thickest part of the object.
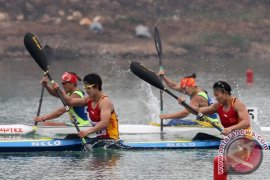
(112, 129)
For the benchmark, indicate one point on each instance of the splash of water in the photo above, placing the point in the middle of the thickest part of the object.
(150, 102)
(238, 90)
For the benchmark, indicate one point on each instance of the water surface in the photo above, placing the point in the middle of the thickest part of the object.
(136, 103)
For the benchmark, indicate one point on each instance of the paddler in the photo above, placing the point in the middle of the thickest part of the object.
(232, 112)
(69, 83)
(198, 97)
(100, 109)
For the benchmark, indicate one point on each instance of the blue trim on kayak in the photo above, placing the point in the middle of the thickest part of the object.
(173, 145)
(76, 145)
(41, 145)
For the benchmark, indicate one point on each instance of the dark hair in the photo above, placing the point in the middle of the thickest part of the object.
(222, 86)
(193, 75)
(78, 77)
(93, 79)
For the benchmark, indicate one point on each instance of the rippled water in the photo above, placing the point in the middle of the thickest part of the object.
(136, 103)
(116, 164)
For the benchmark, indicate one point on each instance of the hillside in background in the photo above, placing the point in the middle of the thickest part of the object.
(189, 28)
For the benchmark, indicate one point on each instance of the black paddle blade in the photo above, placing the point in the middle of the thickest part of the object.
(49, 52)
(158, 42)
(146, 74)
(35, 50)
(205, 137)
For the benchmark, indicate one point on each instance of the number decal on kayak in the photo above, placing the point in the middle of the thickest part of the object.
(253, 113)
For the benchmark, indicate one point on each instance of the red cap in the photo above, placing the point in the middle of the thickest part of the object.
(187, 82)
(68, 77)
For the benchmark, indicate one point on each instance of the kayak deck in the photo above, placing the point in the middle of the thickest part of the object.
(186, 132)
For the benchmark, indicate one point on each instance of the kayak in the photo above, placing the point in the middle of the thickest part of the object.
(58, 144)
(185, 131)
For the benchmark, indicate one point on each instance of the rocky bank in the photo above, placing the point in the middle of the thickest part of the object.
(189, 28)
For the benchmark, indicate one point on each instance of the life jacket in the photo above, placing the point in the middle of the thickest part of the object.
(211, 117)
(112, 129)
(79, 112)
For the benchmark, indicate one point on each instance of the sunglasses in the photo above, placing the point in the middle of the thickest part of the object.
(86, 86)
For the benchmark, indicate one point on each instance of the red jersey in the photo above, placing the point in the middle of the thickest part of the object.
(228, 118)
(94, 113)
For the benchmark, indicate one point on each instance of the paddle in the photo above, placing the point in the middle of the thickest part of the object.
(159, 51)
(204, 136)
(49, 54)
(149, 76)
(36, 51)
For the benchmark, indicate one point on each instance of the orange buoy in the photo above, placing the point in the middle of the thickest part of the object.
(220, 169)
(249, 76)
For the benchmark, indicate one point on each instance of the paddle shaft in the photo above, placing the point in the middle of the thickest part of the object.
(40, 102)
(159, 52)
(160, 94)
(49, 53)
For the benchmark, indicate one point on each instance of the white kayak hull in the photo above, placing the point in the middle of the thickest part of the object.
(124, 129)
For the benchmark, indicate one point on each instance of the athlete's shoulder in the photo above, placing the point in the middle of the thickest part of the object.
(238, 104)
(105, 101)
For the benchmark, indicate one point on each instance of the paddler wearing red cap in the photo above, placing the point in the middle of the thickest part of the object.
(69, 83)
(198, 96)
(232, 112)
